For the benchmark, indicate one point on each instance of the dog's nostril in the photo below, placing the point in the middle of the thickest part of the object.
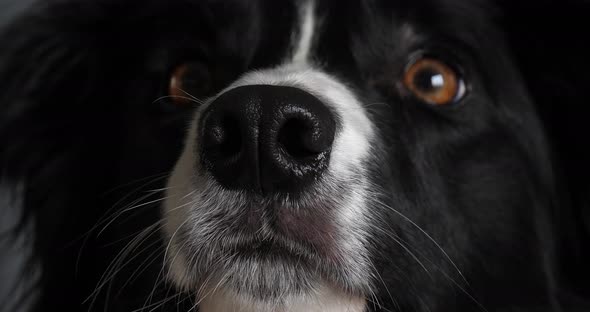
(296, 138)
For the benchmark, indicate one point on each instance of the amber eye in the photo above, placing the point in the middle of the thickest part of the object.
(189, 82)
(434, 82)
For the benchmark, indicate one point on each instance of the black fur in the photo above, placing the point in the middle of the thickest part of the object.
(84, 135)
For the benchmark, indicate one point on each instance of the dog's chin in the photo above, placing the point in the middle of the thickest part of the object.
(322, 298)
(263, 274)
(263, 269)
(272, 250)
(268, 277)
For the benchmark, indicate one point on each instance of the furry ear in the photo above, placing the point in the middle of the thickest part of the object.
(46, 59)
(18, 267)
(550, 42)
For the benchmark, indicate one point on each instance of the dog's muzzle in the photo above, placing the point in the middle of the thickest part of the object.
(269, 195)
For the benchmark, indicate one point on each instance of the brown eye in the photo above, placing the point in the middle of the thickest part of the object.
(434, 82)
(189, 81)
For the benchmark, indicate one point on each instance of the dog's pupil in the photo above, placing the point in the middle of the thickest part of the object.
(429, 80)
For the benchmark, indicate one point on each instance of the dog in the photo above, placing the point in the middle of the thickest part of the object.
(294, 156)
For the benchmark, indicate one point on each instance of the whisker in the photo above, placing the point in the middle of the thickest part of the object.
(104, 217)
(461, 288)
(155, 177)
(165, 257)
(157, 304)
(132, 208)
(384, 205)
(188, 97)
(142, 267)
(199, 101)
(386, 289)
(115, 265)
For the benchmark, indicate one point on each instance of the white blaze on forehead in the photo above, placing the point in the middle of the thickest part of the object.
(307, 24)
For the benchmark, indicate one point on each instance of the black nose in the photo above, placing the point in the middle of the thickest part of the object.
(266, 139)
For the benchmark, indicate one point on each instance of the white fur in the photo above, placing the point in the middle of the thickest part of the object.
(177, 208)
(351, 147)
(326, 299)
(305, 39)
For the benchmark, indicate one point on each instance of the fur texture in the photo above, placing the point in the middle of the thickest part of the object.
(481, 206)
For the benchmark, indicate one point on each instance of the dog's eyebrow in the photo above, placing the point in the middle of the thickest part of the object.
(304, 42)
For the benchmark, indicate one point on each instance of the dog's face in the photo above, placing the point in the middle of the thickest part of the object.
(342, 154)
(366, 147)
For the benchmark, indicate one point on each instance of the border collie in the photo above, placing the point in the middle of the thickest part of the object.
(313, 155)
